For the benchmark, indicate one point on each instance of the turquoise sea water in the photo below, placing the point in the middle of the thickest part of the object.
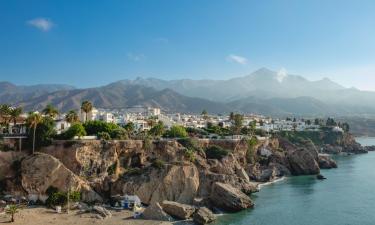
(347, 197)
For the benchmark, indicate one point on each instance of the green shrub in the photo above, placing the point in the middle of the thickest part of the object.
(119, 134)
(112, 169)
(56, 197)
(190, 154)
(75, 196)
(190, 143)
(216, 152)
(158, 164)
(94, 127)
(104, 136)
(250, 153)
(75, 130)
(177, 131)
(134, 172)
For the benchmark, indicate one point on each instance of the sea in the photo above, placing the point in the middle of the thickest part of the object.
(346, 197)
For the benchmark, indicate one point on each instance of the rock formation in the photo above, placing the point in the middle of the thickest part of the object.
(41, 171)
(178, 210)
(229, 198)
(203, 216)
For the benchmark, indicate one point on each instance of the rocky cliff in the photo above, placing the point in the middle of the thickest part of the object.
(160, 170)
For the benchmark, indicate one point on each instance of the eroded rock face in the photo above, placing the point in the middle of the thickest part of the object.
(178, 183)
(301, 160)
(178, 210)
(229, 198)
(41, 171)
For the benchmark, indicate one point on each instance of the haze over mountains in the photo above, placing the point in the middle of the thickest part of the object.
(263, 91)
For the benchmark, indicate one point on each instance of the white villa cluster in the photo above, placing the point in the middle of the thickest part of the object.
(140, 117)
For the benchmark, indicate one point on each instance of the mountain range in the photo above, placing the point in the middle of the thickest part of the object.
(263, 91)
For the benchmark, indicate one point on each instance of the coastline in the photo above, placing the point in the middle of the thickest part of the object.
(260, 185)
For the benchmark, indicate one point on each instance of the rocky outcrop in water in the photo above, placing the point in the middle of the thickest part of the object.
(325, 162)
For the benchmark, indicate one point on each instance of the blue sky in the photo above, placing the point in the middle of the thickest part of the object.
(90, 43)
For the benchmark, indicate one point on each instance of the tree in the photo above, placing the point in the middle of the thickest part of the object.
(177, 131)
(72, 117)
(44, 134)
(15, 114)
(204, 114)
(252, 127)
(130, 127)
(231, 116)
(345, 126)
(237, 123)
(33, 120)
(330, 122)
(50, 111)
(86, 107)
(5, 114)
(12, 210)
(308, 122)
(158, 129)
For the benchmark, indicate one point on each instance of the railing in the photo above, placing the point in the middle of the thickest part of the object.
(17, 135)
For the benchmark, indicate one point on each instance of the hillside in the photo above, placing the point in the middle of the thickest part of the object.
(119, 95)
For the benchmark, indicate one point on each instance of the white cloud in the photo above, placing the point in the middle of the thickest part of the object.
(42, 24)
(135, 57)
(281, 74)
(237, 59)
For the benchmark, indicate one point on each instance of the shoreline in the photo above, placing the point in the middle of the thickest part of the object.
(271, 182)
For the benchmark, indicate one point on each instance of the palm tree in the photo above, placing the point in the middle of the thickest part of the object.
(15, 113)
(86, 107)
(71, 117)
(50, 111)
(33, 120)
(5, 114)
(12, 210)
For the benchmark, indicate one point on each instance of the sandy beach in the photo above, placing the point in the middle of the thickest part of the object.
(44, 216)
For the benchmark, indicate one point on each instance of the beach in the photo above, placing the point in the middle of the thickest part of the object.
(45, 216)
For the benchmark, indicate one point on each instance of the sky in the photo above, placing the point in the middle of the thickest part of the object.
(90, 43)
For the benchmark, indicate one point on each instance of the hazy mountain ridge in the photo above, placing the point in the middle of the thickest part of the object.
(263, 91)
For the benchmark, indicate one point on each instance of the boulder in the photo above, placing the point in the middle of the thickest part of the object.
(302, 162)
(203, 216)
(41, 171)
(178, 210)
(155, 212)
(320, 177)
(229, 198)
(102, 211)
(325, 162)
